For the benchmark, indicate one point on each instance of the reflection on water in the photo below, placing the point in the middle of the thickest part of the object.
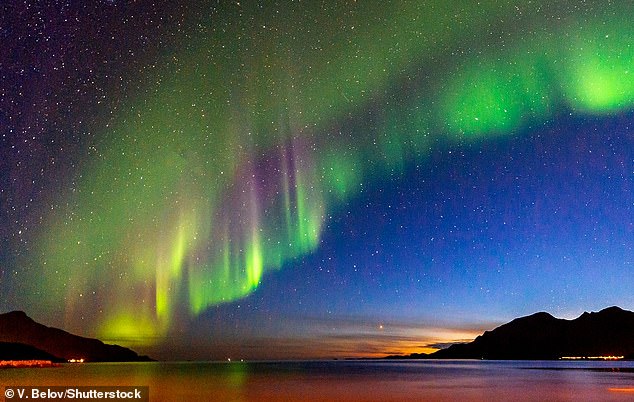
(351, 380)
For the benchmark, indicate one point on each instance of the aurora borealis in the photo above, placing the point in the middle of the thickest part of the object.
(249, 173)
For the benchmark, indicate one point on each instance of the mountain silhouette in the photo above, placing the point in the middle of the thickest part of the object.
(20, 351)
(24, 338)
(540, 336)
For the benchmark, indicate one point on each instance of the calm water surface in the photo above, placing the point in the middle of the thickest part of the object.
(456, 380)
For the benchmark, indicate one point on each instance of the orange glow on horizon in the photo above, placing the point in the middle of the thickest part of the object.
(394, 350)
(399, 342)
(626, 390)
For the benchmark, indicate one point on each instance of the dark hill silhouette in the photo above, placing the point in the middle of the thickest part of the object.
(610, 332)
(17, 328)
(20, 351)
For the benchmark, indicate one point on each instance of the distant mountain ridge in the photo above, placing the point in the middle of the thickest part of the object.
(540, 336)
(21, 336)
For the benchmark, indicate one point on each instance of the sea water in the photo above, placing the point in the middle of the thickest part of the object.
(365, 380)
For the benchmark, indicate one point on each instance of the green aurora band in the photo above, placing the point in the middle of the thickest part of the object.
(225, 167)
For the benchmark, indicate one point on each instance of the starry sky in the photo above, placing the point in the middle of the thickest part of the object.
(311, 179)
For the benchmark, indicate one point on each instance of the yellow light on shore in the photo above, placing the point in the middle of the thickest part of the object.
(591, 358)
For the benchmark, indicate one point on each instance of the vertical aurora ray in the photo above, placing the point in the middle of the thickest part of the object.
(223, 169)
(276, 218)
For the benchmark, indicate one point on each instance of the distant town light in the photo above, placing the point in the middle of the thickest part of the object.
(591, 358)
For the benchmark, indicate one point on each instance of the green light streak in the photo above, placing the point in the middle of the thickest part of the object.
(254, 262)
(341, 174)
(495, 97)
(598, 67)
(134, 328)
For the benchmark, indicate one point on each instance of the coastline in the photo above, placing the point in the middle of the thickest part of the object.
(27, 364)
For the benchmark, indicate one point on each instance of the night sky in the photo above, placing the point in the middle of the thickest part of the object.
(309, 179)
